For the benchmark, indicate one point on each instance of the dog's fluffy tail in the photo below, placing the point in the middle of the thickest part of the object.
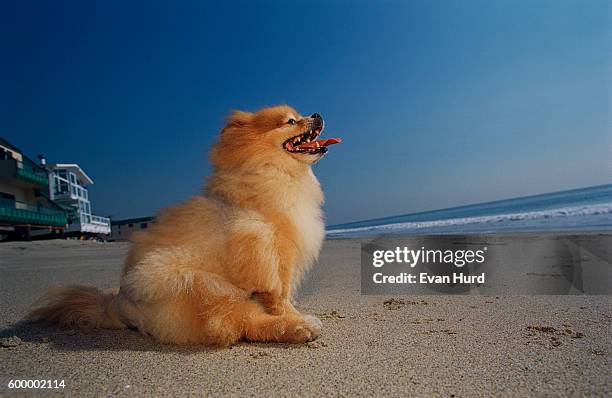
(78, 306)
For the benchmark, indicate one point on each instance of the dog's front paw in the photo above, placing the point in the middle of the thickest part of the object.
(306, 328)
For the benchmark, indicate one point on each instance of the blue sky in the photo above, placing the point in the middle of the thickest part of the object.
(439, 103)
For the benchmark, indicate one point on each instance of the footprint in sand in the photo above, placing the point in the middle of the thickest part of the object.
(556, 337)
(394, 304)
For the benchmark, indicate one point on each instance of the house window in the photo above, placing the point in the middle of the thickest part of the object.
(73, 178)
(143, 225)
(63, 187)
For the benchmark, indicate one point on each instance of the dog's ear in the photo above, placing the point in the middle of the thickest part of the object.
(238, 119)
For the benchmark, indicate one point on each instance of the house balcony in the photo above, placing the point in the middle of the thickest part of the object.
(26, 173)
(91, 224)
(15, 212)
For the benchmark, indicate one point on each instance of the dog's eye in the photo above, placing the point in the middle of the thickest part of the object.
(291, 121)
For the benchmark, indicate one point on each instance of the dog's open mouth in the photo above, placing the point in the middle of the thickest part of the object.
(307, 143)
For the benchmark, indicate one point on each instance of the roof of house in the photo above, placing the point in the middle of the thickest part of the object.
(132, 220)
(7, 144)
(75, 168)
(25, 158)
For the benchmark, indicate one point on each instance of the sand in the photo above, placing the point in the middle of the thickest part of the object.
(371, 345)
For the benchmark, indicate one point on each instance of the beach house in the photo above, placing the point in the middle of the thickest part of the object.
(122, 229)
(25, 204)
(68, 186)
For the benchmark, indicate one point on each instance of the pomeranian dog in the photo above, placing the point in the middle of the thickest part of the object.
(222, 267)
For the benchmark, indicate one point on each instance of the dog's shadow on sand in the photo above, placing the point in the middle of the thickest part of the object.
(113, 340)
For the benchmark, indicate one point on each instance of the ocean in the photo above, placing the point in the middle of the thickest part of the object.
(577, 210)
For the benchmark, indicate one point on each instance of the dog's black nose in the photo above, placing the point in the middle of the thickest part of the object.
(315, 116)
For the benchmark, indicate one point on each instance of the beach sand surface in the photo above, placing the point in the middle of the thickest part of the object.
(380, 345)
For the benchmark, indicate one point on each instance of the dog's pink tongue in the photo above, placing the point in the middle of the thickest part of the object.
(319, 143)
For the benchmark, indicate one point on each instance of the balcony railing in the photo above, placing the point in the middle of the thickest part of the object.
(30, 172)
(27, 213)
(25, 170)
(100, 220)
(91, 219)
(92, 224)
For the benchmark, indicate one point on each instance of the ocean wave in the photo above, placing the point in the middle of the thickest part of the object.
(574, 211)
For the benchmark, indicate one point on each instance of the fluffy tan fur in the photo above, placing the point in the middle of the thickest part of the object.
(223, 266)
